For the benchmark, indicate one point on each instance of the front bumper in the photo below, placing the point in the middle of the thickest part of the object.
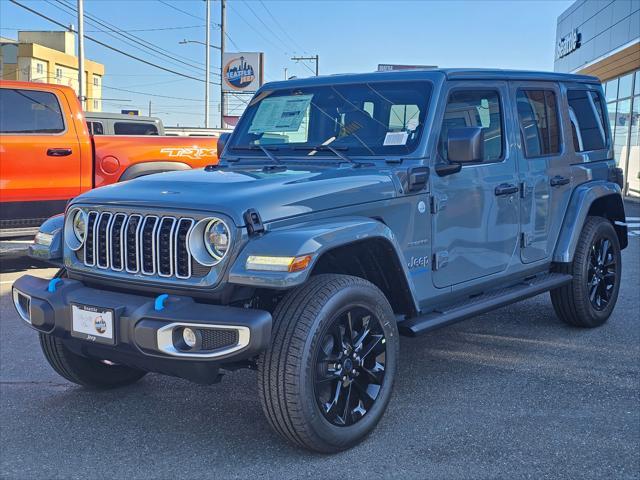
(143, 329)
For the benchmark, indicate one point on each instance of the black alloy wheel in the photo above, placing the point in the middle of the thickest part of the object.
(589, 298)
(350, 366)
(602, 273)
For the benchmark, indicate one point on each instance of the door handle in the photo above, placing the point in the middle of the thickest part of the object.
(506, 189)
(59, 152)
(559, 180)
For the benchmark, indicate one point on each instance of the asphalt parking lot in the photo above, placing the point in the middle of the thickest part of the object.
(510, 394)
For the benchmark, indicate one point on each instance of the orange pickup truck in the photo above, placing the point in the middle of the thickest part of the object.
(47, 155)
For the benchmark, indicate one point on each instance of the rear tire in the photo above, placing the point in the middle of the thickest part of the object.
(85, 371)
(589, 299)
(327, 377)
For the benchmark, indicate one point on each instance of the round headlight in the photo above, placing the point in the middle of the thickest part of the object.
(79, 222)
(217, 238)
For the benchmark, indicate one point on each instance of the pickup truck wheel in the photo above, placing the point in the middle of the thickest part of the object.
(85, 371)
(588, 300)
(327, 378)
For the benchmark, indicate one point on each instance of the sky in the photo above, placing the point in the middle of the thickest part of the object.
(348, 36)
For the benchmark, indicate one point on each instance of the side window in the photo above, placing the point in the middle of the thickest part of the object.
(475, 108)
(96, 128)
(538, 119)
(134, 128)
(29, 111)
(585, 110)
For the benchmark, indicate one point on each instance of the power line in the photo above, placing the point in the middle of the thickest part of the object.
(256, 30)
(279, 25)
(160, 67)
(138, 41)
(180, 10)
(267, 26)
(159, 29)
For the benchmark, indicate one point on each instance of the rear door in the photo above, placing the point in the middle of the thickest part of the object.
(475, 211)
(544, 165)
(39, 156)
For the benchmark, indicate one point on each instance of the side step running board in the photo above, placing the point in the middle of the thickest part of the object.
(483, 303)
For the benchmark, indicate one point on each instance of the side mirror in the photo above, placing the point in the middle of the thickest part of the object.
(222, 142)
(465, 144)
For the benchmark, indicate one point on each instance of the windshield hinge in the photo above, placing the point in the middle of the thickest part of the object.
(253, 222)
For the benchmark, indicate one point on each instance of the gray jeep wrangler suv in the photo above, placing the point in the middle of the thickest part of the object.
(345, 211)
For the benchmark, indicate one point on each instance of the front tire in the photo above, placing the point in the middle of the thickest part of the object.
(327, 378)
(589, 299)
(85, 371)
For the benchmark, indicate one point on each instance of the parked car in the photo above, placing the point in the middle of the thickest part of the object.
(195, 131)
(102, 123)
(48, 156)
(346, 211)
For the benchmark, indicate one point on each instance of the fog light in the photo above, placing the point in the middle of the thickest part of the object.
(189, 337)
(22, 303)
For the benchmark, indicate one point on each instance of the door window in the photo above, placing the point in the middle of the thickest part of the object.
(475, 108)
(538, 117)
(587, 118)
(29, 111)
(134, 128)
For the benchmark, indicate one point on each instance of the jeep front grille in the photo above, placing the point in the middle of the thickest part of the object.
(134, 243)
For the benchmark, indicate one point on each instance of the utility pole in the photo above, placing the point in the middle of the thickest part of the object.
(149, 107)
(285, 73)
(81, 82)
(222, 34)
(207, 66)
(315, 58)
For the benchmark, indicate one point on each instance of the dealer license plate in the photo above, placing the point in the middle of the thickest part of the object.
(92, 323)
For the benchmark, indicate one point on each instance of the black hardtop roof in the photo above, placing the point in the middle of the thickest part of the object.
(448, 73)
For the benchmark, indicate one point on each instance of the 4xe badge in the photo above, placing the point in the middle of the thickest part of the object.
(193, 153)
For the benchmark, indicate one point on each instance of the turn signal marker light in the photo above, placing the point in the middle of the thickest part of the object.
(278, 264)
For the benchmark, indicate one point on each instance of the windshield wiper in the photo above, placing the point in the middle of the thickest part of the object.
(266, 151)
(335, 150)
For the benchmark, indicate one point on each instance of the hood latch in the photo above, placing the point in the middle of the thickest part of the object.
(253, 222)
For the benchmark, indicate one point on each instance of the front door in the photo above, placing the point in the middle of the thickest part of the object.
(544, 167)
(40, 156)
(475, 211)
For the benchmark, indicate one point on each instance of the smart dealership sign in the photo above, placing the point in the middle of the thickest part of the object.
(242, 72)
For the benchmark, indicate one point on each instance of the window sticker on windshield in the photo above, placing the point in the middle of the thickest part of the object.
(395, 138)
(280, 114)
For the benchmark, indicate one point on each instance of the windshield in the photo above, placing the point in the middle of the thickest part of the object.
(379, 118)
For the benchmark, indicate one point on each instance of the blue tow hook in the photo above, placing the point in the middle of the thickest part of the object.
(51, 288)
(159, 303)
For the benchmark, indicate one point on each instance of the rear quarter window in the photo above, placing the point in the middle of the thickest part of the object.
(30, 111)
(134, 128)
(587, 120)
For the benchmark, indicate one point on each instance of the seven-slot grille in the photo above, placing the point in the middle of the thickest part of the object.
(135, 243)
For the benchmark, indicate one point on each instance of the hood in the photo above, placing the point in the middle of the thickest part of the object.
(274, 195)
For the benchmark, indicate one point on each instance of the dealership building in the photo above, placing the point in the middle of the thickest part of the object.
(602, 38)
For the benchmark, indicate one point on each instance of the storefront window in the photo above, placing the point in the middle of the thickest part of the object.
(611, 109)
(623, 121)
(611, 90)
(624, 88)
(636, 90)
